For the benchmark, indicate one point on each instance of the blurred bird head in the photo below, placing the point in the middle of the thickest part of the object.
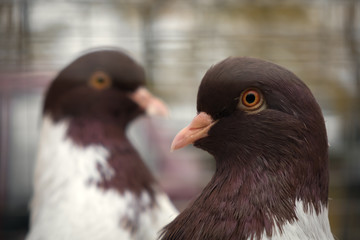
(105, 84)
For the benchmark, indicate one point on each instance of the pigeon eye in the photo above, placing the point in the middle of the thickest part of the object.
(100, 80)
(251, 100)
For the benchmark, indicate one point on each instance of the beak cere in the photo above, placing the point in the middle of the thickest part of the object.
(151, 104)
(197, 129)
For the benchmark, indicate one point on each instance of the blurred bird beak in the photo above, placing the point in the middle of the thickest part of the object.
(151, 104)
(197, 129)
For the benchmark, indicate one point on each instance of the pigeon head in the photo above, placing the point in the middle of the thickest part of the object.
(104, 83)
(259, 108)
(267, 134)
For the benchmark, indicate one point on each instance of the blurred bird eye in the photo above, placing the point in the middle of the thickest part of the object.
(100, 80)
(251, 100)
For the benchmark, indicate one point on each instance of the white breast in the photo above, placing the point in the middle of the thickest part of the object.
(68, 205)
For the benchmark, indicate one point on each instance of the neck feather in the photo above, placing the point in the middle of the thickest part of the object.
(249, 200)
(103, 148)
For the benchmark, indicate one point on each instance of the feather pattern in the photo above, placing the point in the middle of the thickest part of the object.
(68, 204)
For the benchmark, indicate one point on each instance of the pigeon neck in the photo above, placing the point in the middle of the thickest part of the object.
(244, 202)
(122, 158)
(302, 172)
(257, 202)
(87, 131)
(261, 200)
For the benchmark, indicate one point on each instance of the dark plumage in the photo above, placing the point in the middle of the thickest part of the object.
(267, 134)
(70, 95)
(90, 182)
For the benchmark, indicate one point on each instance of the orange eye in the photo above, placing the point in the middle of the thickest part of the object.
(100, 80)
(251, 99)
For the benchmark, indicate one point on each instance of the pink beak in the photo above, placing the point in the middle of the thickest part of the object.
(151, 104)
(197, 129)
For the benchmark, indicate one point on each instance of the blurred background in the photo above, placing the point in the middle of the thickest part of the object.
(177, 41)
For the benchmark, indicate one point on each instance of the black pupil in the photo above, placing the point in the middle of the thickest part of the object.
(100, 80)
(250, 98)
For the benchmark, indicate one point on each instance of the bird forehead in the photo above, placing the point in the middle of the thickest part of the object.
(122, 69)
(221, 93)
(222, 86)
(217, 99)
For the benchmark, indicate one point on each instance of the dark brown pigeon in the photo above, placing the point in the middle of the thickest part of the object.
(267, 134)
(90, 183)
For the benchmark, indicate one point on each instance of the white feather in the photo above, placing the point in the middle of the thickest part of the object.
(67, 205)
(309, 225)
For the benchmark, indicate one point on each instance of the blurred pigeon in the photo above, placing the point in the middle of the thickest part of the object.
(90, 182)
(267, 134)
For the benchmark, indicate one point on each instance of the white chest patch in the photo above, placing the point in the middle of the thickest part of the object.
(309, 226)
(66, 205)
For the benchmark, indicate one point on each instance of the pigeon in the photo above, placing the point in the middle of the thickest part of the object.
(267, 134)
(89, 181)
